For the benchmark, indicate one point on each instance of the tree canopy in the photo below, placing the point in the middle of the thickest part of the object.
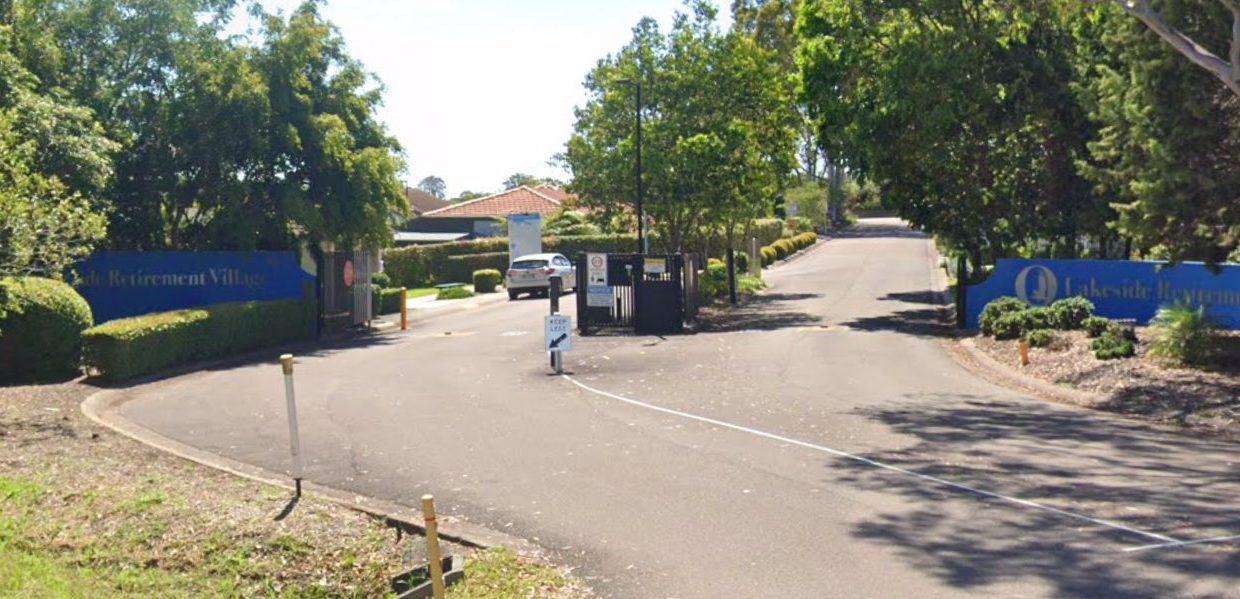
(434, 186)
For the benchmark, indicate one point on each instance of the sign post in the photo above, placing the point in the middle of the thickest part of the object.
(559, 338)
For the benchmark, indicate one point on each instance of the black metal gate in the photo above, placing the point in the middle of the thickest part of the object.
(344, 289)
(645, 294)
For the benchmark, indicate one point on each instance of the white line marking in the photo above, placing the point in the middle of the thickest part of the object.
(877, 464)
(1183, 543)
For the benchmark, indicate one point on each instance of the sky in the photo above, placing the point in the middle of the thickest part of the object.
(477, 90)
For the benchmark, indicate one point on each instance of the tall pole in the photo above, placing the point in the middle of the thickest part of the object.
(641, 216)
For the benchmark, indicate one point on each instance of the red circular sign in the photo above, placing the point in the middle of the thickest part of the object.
(596, 261)
(348, 273)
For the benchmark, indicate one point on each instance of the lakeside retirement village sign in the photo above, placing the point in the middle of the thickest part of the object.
(120, 284)
(1118, 288)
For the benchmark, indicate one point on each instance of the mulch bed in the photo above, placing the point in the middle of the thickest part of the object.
(1144, 386)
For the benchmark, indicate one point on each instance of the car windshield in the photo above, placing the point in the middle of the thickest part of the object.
(527, 264)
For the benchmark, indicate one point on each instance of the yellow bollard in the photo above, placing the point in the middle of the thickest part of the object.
(432, 546)
(404, 309)
(1024, 353)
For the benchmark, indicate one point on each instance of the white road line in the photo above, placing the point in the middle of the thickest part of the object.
(1184, 543)
(877, 464)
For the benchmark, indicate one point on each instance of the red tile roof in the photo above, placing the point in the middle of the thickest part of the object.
(520, 199)
(554, 193)
(421, 202)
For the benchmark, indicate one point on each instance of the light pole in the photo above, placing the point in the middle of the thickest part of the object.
(641, 216)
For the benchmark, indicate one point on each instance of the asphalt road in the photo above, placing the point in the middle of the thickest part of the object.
(821, 443)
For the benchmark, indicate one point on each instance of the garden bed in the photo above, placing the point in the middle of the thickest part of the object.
(1143, 386)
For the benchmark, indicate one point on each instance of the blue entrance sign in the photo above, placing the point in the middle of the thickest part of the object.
(120, 284)
(1118, 288)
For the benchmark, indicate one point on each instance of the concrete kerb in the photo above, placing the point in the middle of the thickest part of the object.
(101, 408)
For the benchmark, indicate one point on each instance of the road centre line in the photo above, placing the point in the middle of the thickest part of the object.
(1167, 541)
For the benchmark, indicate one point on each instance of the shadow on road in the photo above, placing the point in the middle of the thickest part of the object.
(922, 322)
(877, 231)
(1134, 474)
(766, 312)
(913, 297)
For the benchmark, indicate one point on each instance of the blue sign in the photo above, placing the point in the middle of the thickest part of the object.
(120, 284)
(1118, 288)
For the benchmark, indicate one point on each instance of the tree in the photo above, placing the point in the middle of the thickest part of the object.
(718, 129)
(960, 111)
(467, 196)
(54, 161)
(569, 222)
(518, 179)
(434, 186)
(1186, 42)
(1169, 136)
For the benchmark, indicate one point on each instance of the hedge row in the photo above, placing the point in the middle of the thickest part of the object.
(782, 248)
(385, 300)
(455, 262)
(129, 347)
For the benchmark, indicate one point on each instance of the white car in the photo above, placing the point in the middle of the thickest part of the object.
(533, 274)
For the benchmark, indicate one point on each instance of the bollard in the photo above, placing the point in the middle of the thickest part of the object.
(404, 309)
(432, 545)
(1024, 352)
(286, 364)
(557, 288)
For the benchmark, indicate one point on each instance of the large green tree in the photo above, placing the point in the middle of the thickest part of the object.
(718, 128)
(229, 143)
(54, 162)
(1168, 147)
(962, 112)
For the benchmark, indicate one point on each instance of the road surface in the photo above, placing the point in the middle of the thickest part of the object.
(821, 443)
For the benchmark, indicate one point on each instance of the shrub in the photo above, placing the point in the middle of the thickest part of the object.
(1015, 324)
(1121, 330)
(487, 280)
(741, 259)
(385, 301)
(1110, 347)
(1183, 334)
(768, 255)
(1070, 313)
(41, 324)
(716, 264)
(461, 269)
(767, 230)
(804, 240)
(1039, 337)
(996, 309)
(381, 280)
(448, 293)
(783, 248)
(1095, 326)
(128, 347)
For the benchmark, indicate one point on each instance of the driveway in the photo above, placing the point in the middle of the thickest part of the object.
(820, 444)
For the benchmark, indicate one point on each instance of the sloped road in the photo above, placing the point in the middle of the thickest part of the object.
(820, 444)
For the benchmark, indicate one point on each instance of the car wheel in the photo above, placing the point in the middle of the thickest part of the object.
(512, 295)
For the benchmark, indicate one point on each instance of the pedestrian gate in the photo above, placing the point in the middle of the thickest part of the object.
(344, 289)
(648, 294)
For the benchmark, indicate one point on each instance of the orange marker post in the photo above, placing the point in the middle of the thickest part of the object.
(404, 309)
(1024, 353)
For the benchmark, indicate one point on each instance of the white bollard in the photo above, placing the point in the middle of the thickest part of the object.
(286, 363)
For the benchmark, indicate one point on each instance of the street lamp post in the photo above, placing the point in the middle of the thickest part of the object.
(642, 247)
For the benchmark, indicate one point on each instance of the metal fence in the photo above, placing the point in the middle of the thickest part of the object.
(647, 294)
(344, 289)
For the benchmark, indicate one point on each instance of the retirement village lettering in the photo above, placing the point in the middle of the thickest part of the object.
(1165, 292)
(225, 277)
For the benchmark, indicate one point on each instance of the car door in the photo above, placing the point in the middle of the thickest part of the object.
(565, 270)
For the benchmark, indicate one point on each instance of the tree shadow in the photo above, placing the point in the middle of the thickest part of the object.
(764, 312)
(922, 322)
(914, 297)
(1137, 475)
(871, 231)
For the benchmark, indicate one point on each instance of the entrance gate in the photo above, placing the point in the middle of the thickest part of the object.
(649, 294)
(344, 289)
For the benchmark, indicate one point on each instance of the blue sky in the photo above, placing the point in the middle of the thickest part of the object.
(477, 90)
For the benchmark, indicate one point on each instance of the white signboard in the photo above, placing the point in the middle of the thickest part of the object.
(596, 270)
(559, 332)
(600, 297)
(524, 235)
(655, 265)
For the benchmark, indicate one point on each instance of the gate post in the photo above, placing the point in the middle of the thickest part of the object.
(962, 298)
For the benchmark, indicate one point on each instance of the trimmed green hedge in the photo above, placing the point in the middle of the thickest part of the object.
(129, 347)
(427, 265)
(41, 324)
(487, 280)
(386, 300)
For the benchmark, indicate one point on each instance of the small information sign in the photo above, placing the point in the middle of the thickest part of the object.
(559, 332)
(600, 297)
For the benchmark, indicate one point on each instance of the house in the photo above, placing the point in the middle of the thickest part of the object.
(421, 202)
(481, 217)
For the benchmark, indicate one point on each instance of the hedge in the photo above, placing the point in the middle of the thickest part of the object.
(129, 347)
(487, 280)
(41, 324)
(426, 265)
(460, 269)
(386, 300)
